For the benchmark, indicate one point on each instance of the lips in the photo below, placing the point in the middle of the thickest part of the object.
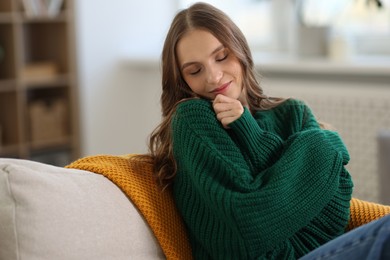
(221, 89)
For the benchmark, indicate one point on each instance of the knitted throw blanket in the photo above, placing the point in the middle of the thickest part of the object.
(134, 178)
(362, 212)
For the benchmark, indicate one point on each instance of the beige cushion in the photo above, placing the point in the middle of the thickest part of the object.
(48, 212)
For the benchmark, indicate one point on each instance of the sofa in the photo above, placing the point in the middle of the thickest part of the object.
(49, 212)
(99, 207)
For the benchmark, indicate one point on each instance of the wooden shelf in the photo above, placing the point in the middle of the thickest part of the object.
(62, 17)
(7, 85)
(45, 82)
(37, 69)
(6, 18)
(51, 143)
(9, 151)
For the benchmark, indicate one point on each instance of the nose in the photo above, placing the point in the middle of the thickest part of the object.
(214, 75)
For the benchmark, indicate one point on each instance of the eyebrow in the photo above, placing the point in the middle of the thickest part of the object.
(193, 62)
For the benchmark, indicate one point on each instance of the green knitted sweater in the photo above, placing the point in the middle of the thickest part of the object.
(272, 186)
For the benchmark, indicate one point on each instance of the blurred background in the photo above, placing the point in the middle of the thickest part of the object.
(82, 77)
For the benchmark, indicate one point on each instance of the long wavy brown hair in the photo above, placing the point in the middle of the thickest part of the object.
(175, 89)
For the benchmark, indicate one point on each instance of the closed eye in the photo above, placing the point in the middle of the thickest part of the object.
(195, 72)
(224, 57)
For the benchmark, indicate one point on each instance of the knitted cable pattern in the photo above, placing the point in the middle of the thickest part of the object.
(135, 179)
(362, 212)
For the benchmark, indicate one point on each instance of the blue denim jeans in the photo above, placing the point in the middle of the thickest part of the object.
(370, 241)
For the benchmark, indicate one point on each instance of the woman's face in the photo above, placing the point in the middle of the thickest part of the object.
(208, 67)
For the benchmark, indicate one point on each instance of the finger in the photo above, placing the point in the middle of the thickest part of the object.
(235, 106)
(223, 103)
(227, 119)
(234, 114)
(222, 99)
(223, 114)
(220, 107)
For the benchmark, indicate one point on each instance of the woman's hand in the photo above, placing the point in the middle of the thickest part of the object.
(227, 109)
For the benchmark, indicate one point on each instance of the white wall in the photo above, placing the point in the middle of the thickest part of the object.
(119, 107)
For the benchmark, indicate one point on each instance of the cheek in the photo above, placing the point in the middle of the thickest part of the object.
(238, 74)
(193, 84)
(235, 68)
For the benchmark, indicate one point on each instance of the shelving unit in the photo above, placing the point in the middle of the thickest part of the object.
(38, 84)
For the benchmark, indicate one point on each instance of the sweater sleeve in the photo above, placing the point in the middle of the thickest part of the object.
(249, 210)
(260, 146)
(198, 135)
(262, 142)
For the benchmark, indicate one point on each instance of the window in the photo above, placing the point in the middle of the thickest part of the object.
(362, 25)
(252, 16)
(365, 24)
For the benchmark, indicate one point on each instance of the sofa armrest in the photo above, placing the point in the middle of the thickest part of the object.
(49, 212)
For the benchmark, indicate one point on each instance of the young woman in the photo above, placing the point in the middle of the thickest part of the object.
(253, 177)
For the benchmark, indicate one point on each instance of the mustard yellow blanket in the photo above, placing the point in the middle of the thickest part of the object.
(135, 178)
